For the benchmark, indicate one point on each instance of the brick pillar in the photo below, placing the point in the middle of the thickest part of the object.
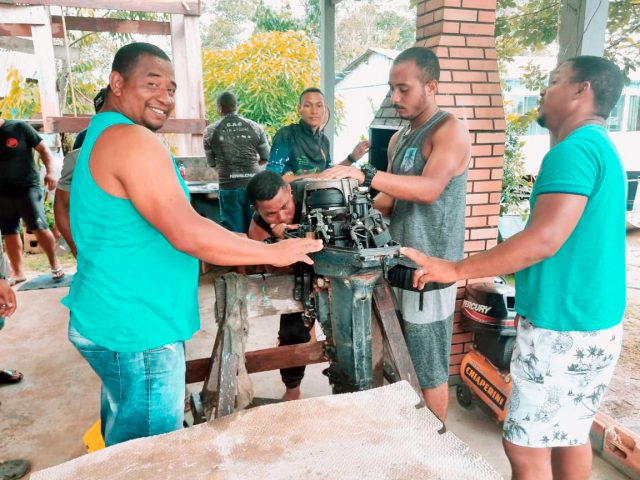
(461, 34)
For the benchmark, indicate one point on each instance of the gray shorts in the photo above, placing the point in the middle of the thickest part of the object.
(428, 332)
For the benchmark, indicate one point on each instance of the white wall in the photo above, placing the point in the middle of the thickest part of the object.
(536, 146)
(362, 92)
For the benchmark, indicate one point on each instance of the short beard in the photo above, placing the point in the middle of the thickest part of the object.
(541, 121)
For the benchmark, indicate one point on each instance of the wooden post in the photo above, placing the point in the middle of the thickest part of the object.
(185, 37)
(583, 24)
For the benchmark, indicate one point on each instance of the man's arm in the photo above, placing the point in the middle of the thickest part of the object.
(61, 214)
(61, 199)
(357, 153)
(256, 233)
(47, 160)
(263, 147)
(449, 156)
(207, 139)
(553, 219)
(125, 154)
(8, 303)
(384, 202)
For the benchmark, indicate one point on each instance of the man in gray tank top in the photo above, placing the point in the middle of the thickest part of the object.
(424, 193)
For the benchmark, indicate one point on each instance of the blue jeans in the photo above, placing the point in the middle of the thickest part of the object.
(235, 210)
(142, 392)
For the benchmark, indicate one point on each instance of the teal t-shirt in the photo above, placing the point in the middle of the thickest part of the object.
(133, 291)
(582, 287)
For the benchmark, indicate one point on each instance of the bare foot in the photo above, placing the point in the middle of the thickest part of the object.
(292, 394)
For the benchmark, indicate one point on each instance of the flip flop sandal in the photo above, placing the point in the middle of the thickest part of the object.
(15, 281)
(10, 376)
(14, 469)
(57, 273)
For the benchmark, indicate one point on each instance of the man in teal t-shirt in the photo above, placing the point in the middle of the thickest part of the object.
(570, 280)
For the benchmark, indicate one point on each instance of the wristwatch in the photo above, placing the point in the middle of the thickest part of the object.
(369, 172)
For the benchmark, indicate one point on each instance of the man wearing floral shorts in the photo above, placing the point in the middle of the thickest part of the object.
(570, 278)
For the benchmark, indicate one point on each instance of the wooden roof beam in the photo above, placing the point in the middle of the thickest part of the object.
(194, 126)
(90, 24)
(184, 7)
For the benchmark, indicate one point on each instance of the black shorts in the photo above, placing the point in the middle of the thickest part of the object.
(28, 206)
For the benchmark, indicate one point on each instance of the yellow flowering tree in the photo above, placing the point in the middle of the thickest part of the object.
(267, 74)
(23, 98)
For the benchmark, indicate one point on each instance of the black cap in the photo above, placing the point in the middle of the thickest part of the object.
(99, 99)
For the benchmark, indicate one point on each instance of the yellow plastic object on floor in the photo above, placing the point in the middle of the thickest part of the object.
(93, 438)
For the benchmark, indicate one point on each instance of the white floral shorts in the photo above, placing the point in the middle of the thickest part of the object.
(559, 381)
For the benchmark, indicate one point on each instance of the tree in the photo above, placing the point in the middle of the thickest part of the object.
(268, 20)
(371, 25)
(229, 22)
(529, 27)
(267, 74)
(23, 99)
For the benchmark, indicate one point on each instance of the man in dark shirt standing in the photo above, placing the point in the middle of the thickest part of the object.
(21, 194)
(236, 147)
(302, 149)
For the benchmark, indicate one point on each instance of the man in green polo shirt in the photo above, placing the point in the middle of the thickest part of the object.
(570, 277)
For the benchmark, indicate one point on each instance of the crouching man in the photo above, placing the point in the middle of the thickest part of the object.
(278, 206)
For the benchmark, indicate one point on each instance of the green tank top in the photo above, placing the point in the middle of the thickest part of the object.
(133, 290)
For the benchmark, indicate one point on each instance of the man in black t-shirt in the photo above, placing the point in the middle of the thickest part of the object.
(278, 206)
(236, 147)
(21, 194)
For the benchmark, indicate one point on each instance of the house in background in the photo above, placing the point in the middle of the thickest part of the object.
(623, 123)
(361, 86)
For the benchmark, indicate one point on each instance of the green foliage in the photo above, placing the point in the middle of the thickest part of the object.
(23, 99)
(48, 213)
(525, 27)
(534, 78)
(229, 20)
(370, 24)
(267, 74)
(268, 20)
(528, 27)
(515, 186)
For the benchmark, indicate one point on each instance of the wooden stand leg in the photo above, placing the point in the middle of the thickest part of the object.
(399, 357)
(392, 334)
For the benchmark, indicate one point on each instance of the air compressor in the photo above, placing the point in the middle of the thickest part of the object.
(488, 311)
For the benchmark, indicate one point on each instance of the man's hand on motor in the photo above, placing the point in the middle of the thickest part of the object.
(294, 250)
(341, 171)
(278, 229)
(430, 269)
(50, 181)
(8, 301)
(359, 150)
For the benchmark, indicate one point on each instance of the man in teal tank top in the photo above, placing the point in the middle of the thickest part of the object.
(570, 280)
(423, 191)
(134, 298)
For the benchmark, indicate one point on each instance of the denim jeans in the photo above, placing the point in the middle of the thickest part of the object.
(142, 392)
(235, 210)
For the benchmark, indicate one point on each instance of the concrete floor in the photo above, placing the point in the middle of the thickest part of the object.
(44, 417)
